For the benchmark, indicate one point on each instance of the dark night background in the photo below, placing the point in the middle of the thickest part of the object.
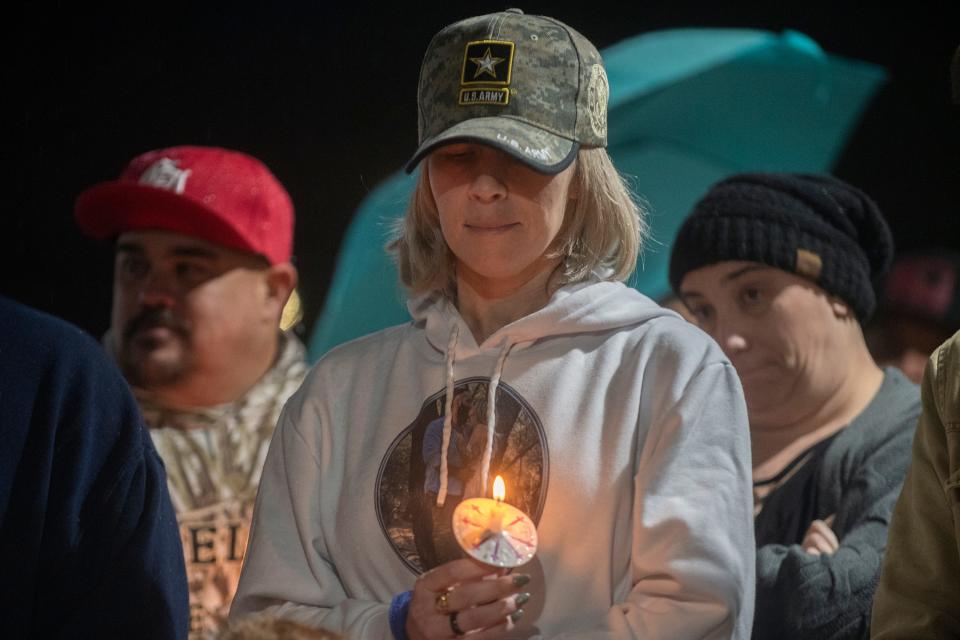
(325, 95)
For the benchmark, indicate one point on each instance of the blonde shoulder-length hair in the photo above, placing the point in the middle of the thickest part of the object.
(603, 228)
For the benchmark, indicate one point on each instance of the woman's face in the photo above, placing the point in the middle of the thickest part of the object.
(780, 331)
(498, 216)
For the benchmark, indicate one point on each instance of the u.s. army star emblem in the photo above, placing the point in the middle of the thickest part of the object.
(487, 62)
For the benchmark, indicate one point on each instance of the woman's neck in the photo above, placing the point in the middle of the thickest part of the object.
(487, 304)
(775, 445)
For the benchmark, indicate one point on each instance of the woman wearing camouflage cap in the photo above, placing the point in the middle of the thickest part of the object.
(778, 268)
(619, 428)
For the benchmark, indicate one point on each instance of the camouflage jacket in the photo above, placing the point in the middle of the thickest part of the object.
(214, 457)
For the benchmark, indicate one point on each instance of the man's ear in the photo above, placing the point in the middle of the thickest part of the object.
(281, 279)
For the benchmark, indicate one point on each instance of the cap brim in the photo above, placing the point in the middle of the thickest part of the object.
(111, 208)
(538, 149)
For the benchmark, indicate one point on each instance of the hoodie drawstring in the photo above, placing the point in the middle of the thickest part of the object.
(448, 413)
(492, 413)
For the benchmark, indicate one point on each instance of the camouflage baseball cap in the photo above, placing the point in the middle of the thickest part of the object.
(528, 85)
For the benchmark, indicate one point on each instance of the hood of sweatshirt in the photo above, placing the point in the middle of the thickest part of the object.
(589, 306)
(592, 305)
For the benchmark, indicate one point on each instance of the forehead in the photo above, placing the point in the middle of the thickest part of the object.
(707, 279)
(161, 243)
(487, 156)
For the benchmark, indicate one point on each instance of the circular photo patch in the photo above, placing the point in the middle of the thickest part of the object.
(420, 530)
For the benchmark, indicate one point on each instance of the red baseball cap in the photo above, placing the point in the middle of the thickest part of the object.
(219, 195)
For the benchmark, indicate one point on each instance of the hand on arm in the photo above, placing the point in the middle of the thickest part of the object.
(820, 538)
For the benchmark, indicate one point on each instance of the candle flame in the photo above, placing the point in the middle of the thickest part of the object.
(499, 489)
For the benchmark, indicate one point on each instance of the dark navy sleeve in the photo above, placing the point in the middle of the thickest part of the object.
(87, 531)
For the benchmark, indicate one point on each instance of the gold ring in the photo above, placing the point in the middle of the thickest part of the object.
(442, 603)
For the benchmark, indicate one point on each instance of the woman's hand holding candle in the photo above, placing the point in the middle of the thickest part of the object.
(494, 532)
(465, 596)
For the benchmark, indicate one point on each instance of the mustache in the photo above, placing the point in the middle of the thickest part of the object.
(153, 317)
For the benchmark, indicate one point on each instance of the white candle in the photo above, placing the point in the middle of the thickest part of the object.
(494, 532)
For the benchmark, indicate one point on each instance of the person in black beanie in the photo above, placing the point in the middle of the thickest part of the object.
(780, 270)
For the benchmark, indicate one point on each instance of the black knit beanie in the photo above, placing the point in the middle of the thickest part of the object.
(814, 226)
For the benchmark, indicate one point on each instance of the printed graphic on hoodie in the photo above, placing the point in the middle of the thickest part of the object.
(410, 474)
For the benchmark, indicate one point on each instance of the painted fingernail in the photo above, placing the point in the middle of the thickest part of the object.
(521, 579)
(516, 615)
(522, 599)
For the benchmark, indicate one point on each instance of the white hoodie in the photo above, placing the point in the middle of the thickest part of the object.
(621, 429)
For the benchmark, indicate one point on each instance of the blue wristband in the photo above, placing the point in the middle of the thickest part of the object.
(399, 607)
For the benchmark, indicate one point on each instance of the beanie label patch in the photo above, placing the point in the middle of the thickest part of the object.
(809, 265)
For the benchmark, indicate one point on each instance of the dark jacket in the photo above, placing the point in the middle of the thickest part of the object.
(88, 536)
(857, 480)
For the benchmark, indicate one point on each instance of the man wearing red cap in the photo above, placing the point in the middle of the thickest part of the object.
(202, 273)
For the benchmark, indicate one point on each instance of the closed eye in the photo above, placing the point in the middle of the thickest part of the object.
(455, 152)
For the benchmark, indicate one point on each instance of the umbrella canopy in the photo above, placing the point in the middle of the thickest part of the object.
(687, 108)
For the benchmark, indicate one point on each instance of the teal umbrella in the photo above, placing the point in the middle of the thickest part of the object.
(687, 108)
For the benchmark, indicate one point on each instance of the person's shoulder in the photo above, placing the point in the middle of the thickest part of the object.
(20, 322)
(671, 327)
(435, 426)
(899, 397)
(943, 371)
(367, 346)
(945, 360)
(673, 337)
(669, 353)
(367, 352)
(32, 338)
(888, 421)
(50, 364)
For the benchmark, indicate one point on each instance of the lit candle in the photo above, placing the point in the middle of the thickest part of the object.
(496, 513)
(494, 532)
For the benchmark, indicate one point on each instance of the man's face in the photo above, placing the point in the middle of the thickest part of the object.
(182, 306)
